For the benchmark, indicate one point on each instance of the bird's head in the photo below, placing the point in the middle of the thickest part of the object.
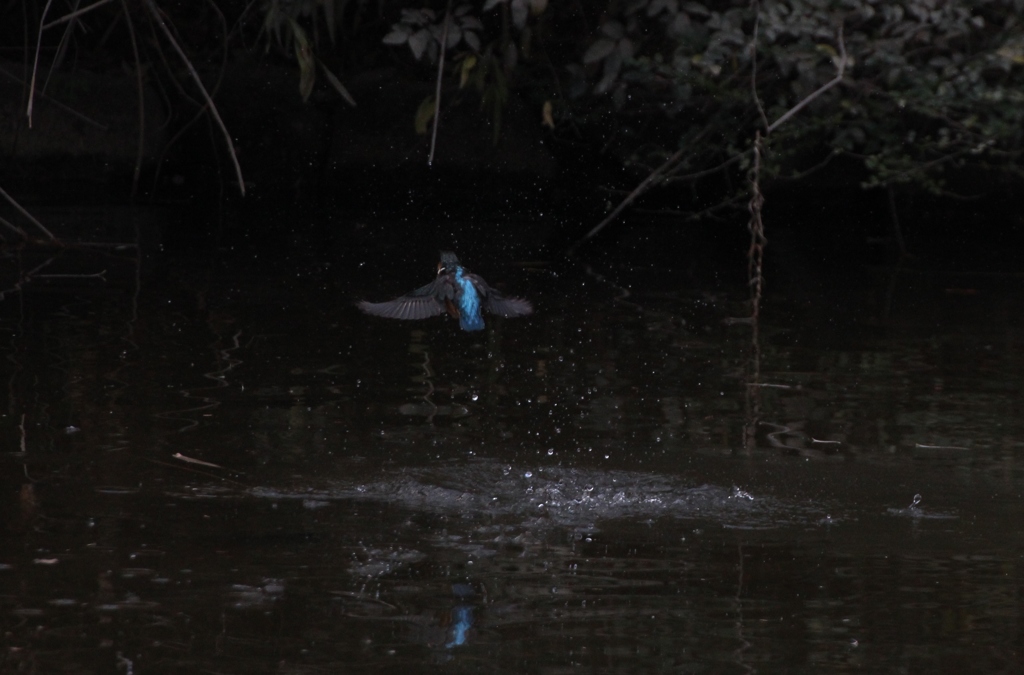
(449, 261)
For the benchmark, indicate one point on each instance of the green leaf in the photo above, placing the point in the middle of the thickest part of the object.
(424, 114)
(304, 55)
(464, 72)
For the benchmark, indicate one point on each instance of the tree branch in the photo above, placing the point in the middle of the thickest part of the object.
(437, 90)
(840, 71)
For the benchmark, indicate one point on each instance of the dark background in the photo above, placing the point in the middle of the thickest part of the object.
(317, 169)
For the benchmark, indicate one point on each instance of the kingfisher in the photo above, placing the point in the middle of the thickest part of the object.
(456, 291)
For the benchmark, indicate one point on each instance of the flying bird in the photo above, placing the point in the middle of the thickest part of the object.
(456, 291)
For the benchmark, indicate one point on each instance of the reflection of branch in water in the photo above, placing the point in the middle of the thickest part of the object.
(20, 209)
(128, 336)
(740, 623)
(461, 623)
(209, 404)
(59, 249)
(224, 356)
(418, 347)
(95, 275)
(752, 398)
(25, 277)
(755, 276)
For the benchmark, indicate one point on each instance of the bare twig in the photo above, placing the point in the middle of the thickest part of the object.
(75, 14)
(14, 78)
(670, 176)
(224, 43)
(712, 211)
(13, 228)
(753, 64)
(660, 172)
(62, 49)
(35, 64)
(437, 90)
(755, 254)
(25, 278)
(639, 190)
(142, 109)
(239, 23)
(694, 216)
(155, 43)
(808, 171)
(158, 19)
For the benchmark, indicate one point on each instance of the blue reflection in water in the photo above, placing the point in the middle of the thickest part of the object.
(462, 616)
(462, 621)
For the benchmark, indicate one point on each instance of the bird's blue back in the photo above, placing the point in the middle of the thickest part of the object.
(469, 302)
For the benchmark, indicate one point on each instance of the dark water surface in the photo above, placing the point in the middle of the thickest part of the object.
(233, 471)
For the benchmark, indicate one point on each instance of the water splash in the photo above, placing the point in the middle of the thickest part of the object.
(560, 496)
(915, 511)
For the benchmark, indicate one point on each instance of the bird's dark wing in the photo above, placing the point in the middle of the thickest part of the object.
(441, 287)
(423, 303)
(498, 304)
(405, 307)
(508, 307)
